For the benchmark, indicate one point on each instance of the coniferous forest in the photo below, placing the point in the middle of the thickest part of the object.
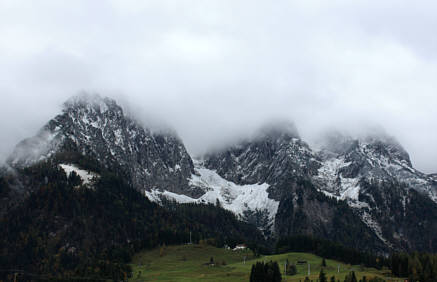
(64, 230)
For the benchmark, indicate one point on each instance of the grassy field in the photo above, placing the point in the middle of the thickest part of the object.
(190, 263)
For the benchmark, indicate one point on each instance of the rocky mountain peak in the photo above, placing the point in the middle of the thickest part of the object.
(98, 128)
(375, 144)
(275, 150)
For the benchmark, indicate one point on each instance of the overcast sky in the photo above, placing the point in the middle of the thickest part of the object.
(215, 69)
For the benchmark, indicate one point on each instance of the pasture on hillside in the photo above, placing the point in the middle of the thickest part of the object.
(208, 263)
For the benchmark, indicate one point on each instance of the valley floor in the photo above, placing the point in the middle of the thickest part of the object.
(191, 263)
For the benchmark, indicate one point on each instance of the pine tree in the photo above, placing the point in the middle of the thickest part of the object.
(323, 262)
(322, 276)
(252, 273)
(257, 273)
(276, 272)
(350, 277)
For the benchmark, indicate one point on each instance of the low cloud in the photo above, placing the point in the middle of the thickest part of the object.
(215, 70)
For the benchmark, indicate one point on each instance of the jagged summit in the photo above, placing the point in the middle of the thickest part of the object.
(347, 161)
(275, 150)
(335, 142)
(98, 128)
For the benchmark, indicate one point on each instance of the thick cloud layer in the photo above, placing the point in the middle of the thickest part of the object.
(217, 69)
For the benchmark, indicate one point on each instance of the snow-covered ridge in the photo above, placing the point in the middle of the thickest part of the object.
(233, 197)
(86, 176)
(375, 163)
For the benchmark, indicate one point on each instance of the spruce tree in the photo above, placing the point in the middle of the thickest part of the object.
(322, 276)
(257, 273)
(351, 277)
(276, 272)
(265, 272)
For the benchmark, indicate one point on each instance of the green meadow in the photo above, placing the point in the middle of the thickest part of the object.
(193, 263)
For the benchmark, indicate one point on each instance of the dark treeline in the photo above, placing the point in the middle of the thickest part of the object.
(265, 272)
(219, 218)
(330, 250)
(415, 266)
(63, 230)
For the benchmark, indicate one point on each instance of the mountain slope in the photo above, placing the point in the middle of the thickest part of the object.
(249, 202)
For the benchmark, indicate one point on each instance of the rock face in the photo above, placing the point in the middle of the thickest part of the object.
(370, 186)
(98, 128)
(433, 176)
(374, 175)
(373, 158)
(279, 158)
(274, 153)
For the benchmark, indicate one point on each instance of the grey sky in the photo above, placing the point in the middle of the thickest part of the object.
(216, 69)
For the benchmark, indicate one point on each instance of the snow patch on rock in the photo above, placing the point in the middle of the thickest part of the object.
(86, 176)
(372, 224)
(233, 197)
(335, 185)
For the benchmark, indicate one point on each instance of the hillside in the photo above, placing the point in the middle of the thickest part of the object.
(67, 228)
(189, 263)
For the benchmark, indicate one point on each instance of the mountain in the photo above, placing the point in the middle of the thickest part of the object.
(98, 128)
(360, 191)
(280, 159)
(369, 183)
(373, 157)
(375, 176)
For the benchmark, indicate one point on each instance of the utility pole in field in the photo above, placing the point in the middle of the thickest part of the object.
(309, 269)
(285, 268)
